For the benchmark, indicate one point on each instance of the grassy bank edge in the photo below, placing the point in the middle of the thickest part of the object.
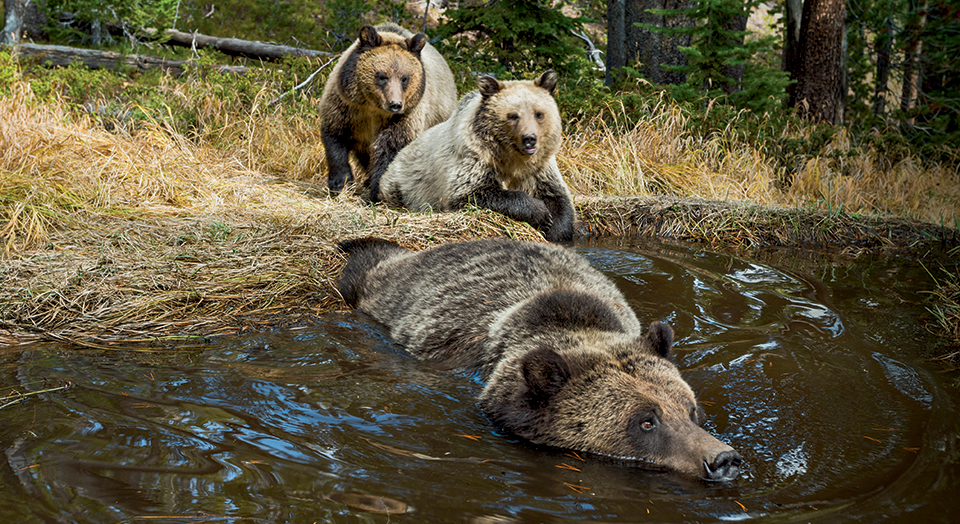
(176, 280)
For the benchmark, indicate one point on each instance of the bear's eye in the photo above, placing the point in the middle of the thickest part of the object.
(404, 80)
(381, 79)
(513, 116)
(648, 425)
(539, 115)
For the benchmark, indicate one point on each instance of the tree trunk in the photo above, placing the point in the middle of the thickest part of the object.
(819, 91)
(734, 73)
(911, 67)
(653, 49)
(34, 20)
(884, 48)
(940, 77)
(13, 21)
(791, 46)
(616, 40)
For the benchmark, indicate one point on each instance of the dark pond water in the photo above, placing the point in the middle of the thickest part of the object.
(813, 371)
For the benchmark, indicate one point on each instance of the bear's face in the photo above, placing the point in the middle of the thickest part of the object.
(629, 403)
(389, 73)
(521, 116)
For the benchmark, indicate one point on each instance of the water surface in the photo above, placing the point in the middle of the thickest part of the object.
(814, 371)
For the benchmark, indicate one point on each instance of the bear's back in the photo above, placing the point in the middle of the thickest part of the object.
(441, 303)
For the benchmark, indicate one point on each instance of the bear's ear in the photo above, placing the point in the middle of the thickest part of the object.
(369, 36)
(548, 81)
(416, 43)
(489, 85)
(660, 338)
(545, 373)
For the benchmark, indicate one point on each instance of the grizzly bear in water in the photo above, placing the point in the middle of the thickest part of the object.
(498, 151)
(386, 89)
(565, 361)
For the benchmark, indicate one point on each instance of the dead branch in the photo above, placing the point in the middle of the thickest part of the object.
(63, 56)
(237, 47)
(301, 85)
(592, 52)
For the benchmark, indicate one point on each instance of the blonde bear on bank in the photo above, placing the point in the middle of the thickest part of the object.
(498, 151)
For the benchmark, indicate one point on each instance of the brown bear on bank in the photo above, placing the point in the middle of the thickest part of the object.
(498, 151)
(386, 89)
(566, 362)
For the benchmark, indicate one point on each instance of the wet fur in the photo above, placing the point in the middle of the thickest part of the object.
(565, 360)
(355, 107)
(478, 156)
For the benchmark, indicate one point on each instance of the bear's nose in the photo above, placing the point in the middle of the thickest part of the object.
(725, 466)
(529, 141)
(395, 107)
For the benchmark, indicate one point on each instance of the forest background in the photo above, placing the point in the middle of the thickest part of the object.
(837, 108)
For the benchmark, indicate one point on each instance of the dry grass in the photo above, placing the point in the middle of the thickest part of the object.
(946, 311)
(659, 156)
(113, 238)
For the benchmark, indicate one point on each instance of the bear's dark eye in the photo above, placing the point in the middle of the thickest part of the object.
(404, 80)
(381, 79)
(643, 423)
(539, 115)
(513, 116)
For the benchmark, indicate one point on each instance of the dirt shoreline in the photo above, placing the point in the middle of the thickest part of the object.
(170, 279)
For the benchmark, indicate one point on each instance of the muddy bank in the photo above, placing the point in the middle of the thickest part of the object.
(165, 280)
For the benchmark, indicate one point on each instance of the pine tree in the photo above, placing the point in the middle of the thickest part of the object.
(523, 35)
(722, 62)
(90, 18)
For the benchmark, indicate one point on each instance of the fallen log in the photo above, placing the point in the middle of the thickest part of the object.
(237, 47)
(95, 59)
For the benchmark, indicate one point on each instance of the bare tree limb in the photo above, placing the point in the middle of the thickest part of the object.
(301, 85)
(13, 25)
(94, 59)
(592, 52)
(237, 47)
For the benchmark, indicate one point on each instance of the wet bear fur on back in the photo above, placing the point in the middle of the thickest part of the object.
(498, 150)
(386, 89)
(565, 360)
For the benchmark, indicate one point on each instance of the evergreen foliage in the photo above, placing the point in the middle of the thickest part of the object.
(939, 108)
(520, 39)
(933, 121)
(518, 36)
(90, 18)
(710, 55)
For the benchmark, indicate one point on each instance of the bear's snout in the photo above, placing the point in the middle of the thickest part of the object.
(529, 143)
(395, 106)
(725, 466)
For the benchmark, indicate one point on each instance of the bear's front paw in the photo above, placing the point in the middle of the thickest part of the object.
(540, 216)
(559, 232)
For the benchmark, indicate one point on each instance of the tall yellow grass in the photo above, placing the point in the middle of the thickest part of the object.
(659, 156)
(146, 230)
(56, 162)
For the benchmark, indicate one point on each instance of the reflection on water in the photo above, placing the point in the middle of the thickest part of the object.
(812, 371)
